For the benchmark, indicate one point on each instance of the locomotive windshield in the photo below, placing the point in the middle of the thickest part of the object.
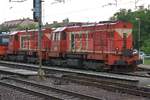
(4, 39)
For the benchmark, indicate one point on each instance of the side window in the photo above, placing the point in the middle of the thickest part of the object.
(16, 37)
(56, 36)
(25, 42)
(53, 35)
(63, 36)
(72, 40)
(4, 40)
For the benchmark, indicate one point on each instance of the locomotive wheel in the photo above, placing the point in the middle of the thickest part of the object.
(125, 68)
(94, 65)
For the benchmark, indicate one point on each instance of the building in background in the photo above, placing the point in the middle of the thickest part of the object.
(19, 24)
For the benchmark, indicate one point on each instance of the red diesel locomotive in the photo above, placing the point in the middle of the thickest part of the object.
(102, 46)
(23, 45)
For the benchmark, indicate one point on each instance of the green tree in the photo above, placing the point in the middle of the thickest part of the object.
(29, 26)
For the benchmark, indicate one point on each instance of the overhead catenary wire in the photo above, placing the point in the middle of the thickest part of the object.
(17, 1)
(69, 12)
(93, 8)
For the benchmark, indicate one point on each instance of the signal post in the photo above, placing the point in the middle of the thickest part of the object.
(37, 16)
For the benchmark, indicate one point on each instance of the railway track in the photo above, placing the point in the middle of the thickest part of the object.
(144, 74)
(30, 91)
(128, 87)
(52, 69)
(107, 85)
(44, 91)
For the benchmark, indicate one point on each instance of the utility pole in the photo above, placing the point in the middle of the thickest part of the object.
(37, 16)
(40, 71)
(139, 33)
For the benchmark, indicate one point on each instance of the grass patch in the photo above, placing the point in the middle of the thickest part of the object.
(147, 61)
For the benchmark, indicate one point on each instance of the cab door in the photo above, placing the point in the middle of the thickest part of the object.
(72, 42)
(58, 42)
(14, 44)
(55, 42)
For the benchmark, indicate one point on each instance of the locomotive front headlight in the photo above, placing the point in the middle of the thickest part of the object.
(135, 51)
(117, 49)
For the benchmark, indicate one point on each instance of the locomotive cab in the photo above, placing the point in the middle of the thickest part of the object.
(58, 42)
(124, 47)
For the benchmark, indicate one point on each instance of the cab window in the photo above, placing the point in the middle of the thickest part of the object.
(63, 35)
(56, 36)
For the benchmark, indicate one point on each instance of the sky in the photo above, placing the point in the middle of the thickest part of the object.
(75, 10)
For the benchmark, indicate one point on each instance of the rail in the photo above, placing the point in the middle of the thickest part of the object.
(69, 94)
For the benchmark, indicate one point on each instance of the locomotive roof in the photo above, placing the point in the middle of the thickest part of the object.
(97, 24)
(15, 32)
(108, 21)
(60, 29)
